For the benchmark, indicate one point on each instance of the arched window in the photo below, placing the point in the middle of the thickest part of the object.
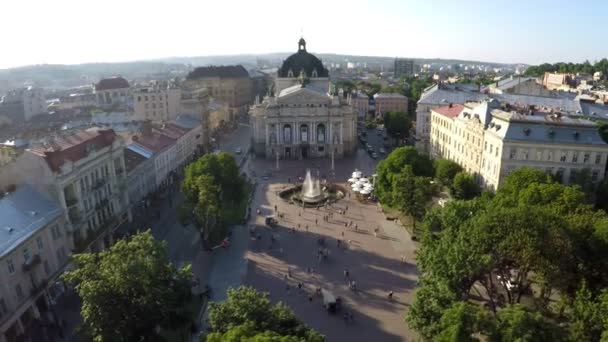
(304, 133)
(321, 133)
(314, 73)
(289, 73)
(287, 134)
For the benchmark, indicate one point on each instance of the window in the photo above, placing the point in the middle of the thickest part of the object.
(563, 157)
(19, 292)
(491, 148)
(39, 243)
(549, 155)
(595, 175)
(572, 177)
(47, 268)
(598, 158)
(560, 174)
(27, 256)
(11, 266)
(60, 254)
(512, 153)
(525, 154)
(575, 157)
(3, 308)
(56, 232)
(586, 158)
(539, 155)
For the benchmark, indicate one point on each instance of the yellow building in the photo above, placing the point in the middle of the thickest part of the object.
(490, 142)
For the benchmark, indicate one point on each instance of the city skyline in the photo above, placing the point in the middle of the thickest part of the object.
(66, 32)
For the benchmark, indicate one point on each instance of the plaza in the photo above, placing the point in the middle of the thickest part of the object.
(378, 264)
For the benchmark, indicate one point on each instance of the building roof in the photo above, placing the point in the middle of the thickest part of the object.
(133, 158)
(74, 147)
(450, 111)
(154, 142)
(174, 131)
(510, 82)
(389, 96)
(302, 61)
(187, 121)
(23, 213)
(222, 71)
(111, 83)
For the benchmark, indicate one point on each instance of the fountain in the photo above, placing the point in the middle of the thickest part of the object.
(311, 189)
(311, 192)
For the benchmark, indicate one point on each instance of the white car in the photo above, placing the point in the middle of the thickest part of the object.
(238, 151)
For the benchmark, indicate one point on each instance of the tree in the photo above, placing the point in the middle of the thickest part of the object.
(397, 124)
(248, 333)
(433, 298)
(394, 163)
(445, 170)
(246, 306)
(411, 194)
(131, 289)
(464, 186)
(461, 321)
(588, 316)
(207, 211)
(515, 323)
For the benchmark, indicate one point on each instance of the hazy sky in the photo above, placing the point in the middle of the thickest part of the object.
(77, 31)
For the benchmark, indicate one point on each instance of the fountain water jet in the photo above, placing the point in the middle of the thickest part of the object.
(311, 189)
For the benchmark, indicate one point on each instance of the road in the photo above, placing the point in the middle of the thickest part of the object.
(240, 137)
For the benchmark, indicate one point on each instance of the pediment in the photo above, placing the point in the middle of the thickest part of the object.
(302, 95)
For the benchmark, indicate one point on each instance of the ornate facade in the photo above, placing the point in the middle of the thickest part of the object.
(303, 119)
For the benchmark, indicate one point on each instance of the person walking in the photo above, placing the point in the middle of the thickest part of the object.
(346, 274)
(289, 271)
(376, 232)
(390, 295)
(316, 221)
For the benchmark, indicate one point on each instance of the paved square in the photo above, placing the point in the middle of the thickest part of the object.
(374, 263)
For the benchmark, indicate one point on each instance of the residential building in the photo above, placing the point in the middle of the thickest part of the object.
(518, 85)
(141, 176)
(219, 115)
(490, 142)
(22, 104)
(190, 143)
(164, 150)
(197, 104)
(34, 250)
(404, 67)
(77, 101)
(303, 119)
(558, 81)
(114, 94)
(157, 102)
(229, 84)
(390, 102)
(360, 103)
(84, 172)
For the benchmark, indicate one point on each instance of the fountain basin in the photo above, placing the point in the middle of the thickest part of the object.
(330, 193)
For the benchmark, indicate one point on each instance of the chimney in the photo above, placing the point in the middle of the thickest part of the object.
(450, 105)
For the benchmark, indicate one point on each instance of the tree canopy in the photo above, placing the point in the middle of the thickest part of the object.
(535, 239)
(131, 289)
(464, 186)
(572, 68)
(250, 314)
(445, 170)
(397, 124)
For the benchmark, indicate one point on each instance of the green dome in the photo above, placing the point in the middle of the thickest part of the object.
(302, 60)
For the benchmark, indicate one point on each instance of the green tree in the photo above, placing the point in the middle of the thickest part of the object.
(433, 298)
(394, 163)
(588, 316)
(207, 211)
(464, 186)
(515, 323)
(131, 289)
(247, 306)
(247, 333)
(411, 194)
(445, 170)
(461, 321)
(397, 124)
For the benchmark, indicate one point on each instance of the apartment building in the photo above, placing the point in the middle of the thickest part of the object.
(491, 142)
(360, 103)
(141, 176)
(230, 84)
(157, 102)
(84, 172)
(22, 104)
(164, 150)
(404, 67)
(113, 94)
(390, 102)
(34, 251)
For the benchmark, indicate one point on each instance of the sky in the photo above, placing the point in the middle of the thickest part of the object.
(512, 31)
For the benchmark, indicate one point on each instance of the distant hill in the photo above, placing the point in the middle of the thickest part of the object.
(66, 76)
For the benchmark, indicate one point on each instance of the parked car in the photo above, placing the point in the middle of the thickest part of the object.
(382, 150)
(374, 155)
(238, 151)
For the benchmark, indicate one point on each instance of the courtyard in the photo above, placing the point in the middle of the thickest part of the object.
(378, 262)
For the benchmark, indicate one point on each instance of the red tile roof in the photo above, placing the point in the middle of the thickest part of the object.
(74, 147)
(154, 142)
(112, 83)
(451, 111)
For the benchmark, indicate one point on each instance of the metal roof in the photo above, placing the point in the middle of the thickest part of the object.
(23, 213)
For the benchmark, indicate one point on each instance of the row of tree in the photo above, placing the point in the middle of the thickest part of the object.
(571, 68)
(211, 185)
(528, 263)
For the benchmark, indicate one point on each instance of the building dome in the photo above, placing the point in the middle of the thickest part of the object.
(302, 61)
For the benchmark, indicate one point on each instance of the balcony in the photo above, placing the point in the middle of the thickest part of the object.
(101, 204)
(33, 262)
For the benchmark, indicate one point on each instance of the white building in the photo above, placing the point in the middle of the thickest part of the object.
(159, 101)
(85, 173)
(303, 119)
(141, 176)
(114, 94)
(490, 142)
(34, 250)
(22, 104)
